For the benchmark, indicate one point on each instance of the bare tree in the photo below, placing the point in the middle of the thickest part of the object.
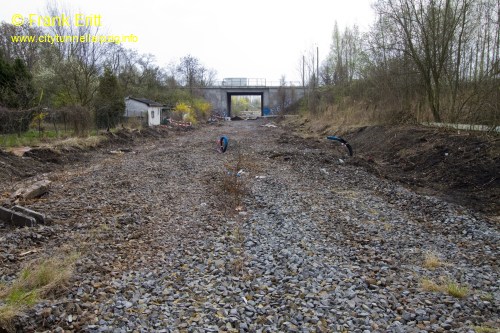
(78, 63)
(29, 53)
(283, 96)
(191, 73)
(427, 30)
(343, 62)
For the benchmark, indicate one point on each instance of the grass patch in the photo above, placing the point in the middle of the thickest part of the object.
(432, 261)
(80, 143)
(456, 290)
(430, 285)
(37, 280)
(449, 287)
(485, 329)
(20, 296)
(7, 315)
(55, 139)
(31, 138)
(486, 297)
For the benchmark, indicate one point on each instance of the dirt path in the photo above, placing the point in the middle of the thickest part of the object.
(170, 240)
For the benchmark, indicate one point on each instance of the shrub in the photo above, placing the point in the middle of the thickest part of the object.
(194, 112)
(15, 121)
(181, 110)
(78, 118)
(202, 109)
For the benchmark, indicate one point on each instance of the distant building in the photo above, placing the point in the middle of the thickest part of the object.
(143, 109)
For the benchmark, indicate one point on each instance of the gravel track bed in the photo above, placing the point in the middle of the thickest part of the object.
(315, 245)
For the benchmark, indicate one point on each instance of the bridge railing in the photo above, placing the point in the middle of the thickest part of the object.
(285, 84)
(253, 82)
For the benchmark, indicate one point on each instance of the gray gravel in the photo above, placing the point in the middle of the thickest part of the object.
(316, 245)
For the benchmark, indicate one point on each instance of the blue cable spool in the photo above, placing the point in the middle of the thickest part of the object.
(223, 143)
(342, 141)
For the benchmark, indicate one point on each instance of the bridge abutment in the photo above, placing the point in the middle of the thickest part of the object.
(272, 97)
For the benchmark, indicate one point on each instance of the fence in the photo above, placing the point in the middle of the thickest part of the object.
(466, 127)
(254, 82)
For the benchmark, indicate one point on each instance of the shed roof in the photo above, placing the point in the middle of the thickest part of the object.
(146, 101)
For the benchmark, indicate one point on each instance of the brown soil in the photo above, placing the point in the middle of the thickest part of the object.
(23, 163)
(460, 166)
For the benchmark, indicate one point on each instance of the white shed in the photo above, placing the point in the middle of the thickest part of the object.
(140, 107)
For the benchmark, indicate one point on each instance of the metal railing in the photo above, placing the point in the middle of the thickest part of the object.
(465, 127)
(253, 82)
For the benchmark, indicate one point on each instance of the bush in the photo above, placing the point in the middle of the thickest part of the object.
(109, 104)
(15, 121)
(78, 118)
(195, 111)
(202, 109)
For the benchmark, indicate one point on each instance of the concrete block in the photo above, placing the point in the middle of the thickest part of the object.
(39, 217)
(35, 190)
(16, 219)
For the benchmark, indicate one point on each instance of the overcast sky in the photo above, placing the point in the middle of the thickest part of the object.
(253, 39)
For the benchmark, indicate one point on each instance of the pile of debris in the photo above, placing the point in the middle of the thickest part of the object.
(19, 216)
(178, 124)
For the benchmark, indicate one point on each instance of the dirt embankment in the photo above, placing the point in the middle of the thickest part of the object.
(30, 161)
(461, 166)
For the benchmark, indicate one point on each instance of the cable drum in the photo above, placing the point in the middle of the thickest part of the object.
(342, 141)
(223, 143)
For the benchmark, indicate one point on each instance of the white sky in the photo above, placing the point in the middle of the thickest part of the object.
(253, 39)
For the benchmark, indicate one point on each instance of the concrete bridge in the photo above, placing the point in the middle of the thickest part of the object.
(273, 95)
